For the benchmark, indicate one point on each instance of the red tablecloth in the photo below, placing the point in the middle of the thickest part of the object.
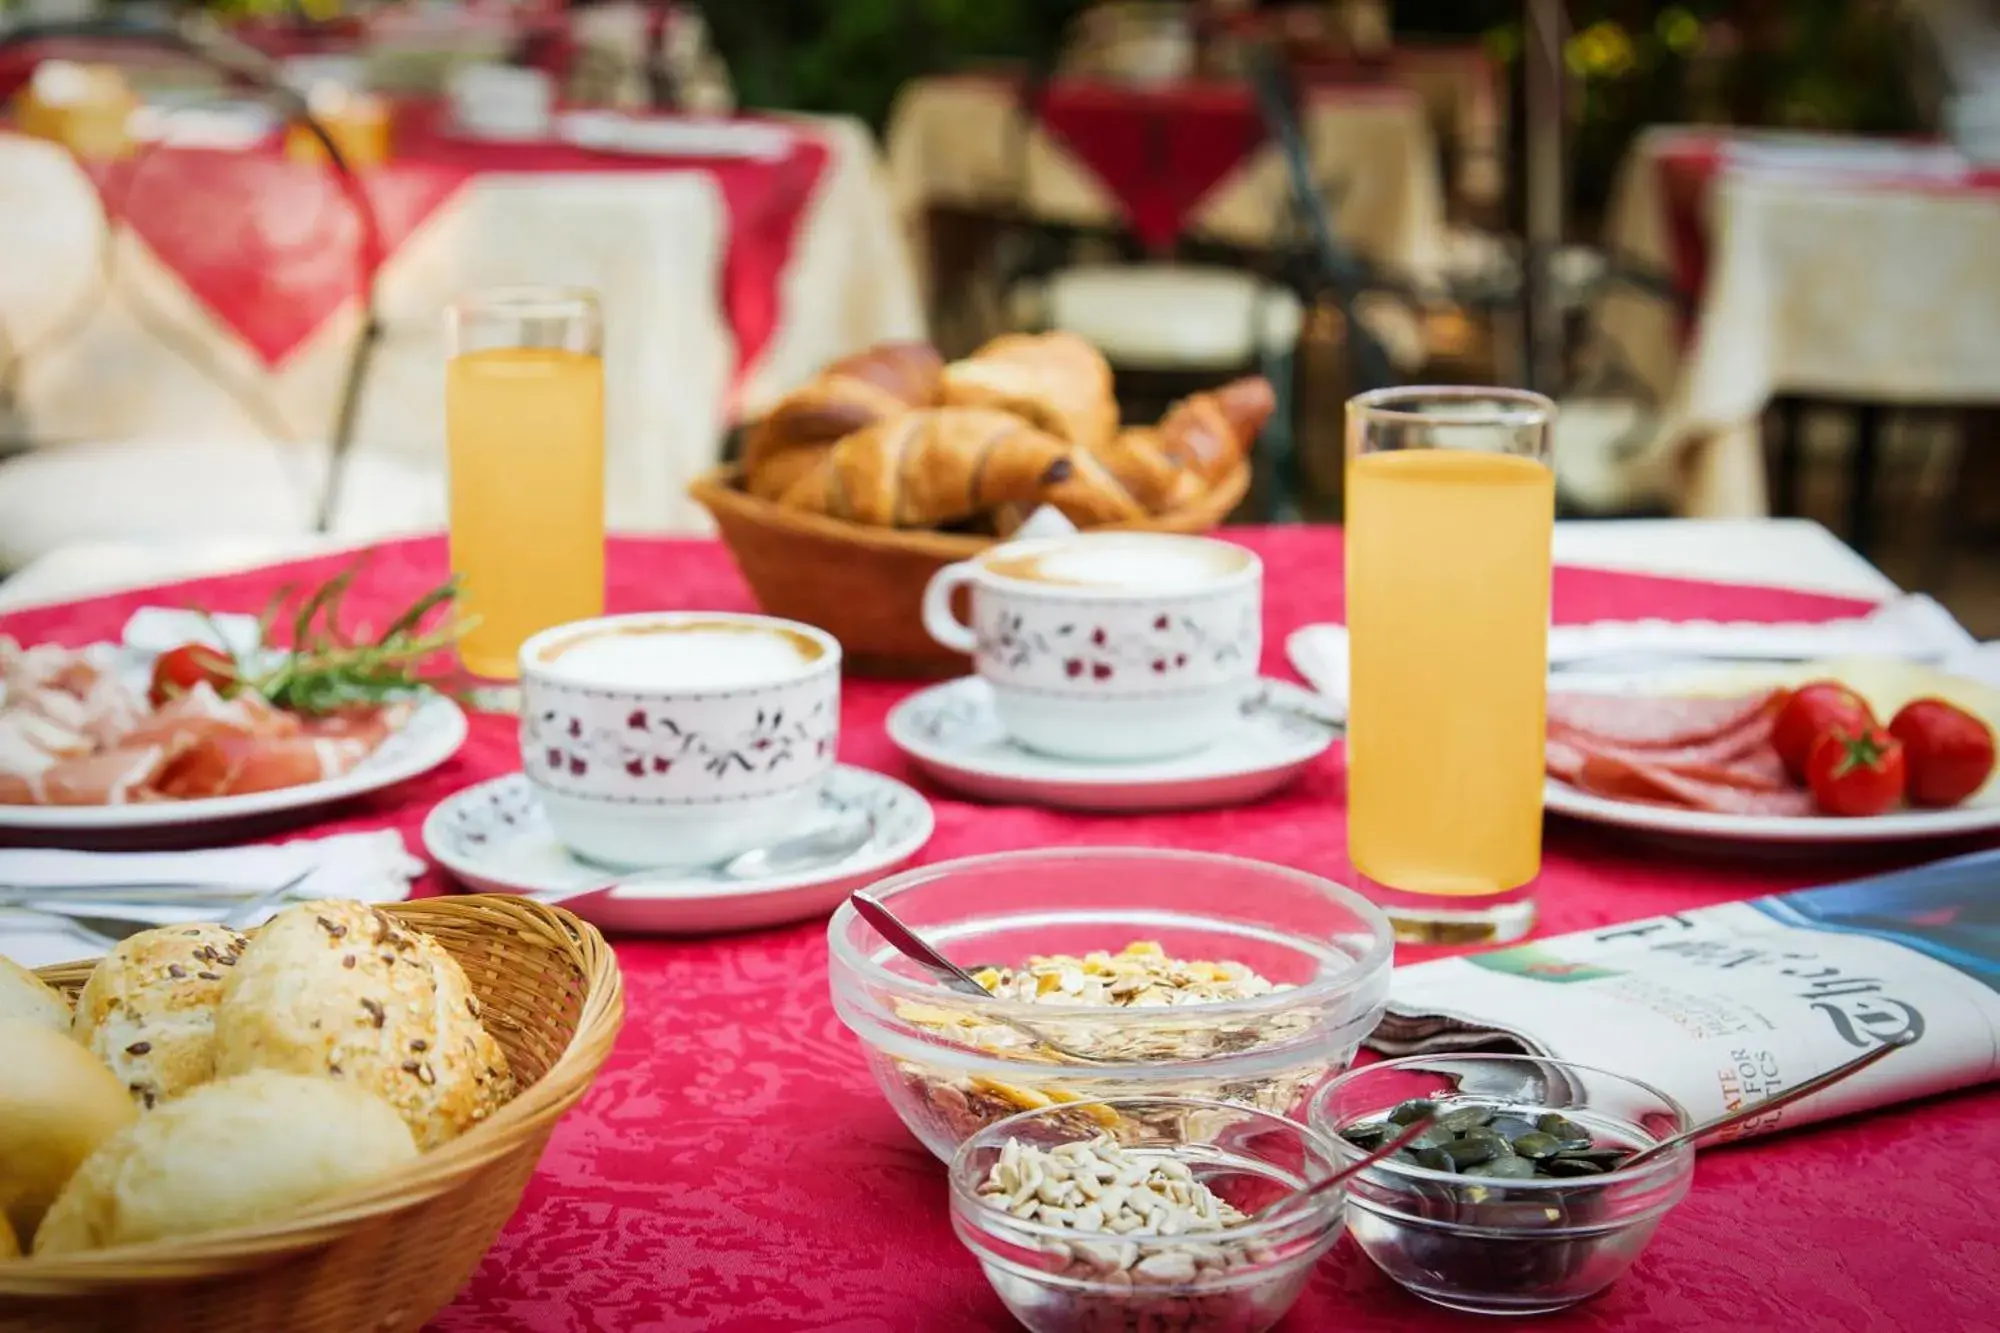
(735, 1168)
(269, 246)
(1158, 152)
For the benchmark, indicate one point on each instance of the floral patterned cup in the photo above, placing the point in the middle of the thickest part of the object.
(1112, 646)
(678, 739)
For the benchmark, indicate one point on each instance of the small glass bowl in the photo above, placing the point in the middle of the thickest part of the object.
(1239, 1280)
(950, 1064)
(1498, 1246)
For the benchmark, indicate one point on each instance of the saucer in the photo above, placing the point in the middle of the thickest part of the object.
(494, 838)
(952, 732)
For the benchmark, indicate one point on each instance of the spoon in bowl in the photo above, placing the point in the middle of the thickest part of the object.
(1765, 1105)
(914, 947)
(1410, 1133)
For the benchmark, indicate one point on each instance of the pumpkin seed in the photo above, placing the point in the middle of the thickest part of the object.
(1511, 1127)
(1503, 1168)
(1465, 1118)
(1570, 1166)
(1475, 1148)
(1410, 1112)
(1568, 1133)
(1367, 1136)
(1537, 1144)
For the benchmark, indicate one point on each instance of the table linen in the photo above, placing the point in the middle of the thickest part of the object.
(735, 1169)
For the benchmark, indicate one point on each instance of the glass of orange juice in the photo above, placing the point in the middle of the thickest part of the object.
(524, 432)
(1450, 517)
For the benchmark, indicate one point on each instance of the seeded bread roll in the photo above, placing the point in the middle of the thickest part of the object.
(234, 1153)
(26, 997)
(148, 1010)
(339, 989)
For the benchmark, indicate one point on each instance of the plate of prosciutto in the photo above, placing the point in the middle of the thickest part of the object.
(133, 741)
(1858, 750)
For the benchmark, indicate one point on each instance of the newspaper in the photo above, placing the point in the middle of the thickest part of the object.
(1729, 1004)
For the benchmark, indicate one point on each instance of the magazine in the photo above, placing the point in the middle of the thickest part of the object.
(1729, 1004)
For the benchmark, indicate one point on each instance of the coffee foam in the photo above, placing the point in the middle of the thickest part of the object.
(1110, 562)
(687, 656)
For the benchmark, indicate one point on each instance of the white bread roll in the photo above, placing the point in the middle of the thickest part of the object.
(148, 1010)
(25, 996)
(338, 989)
(57, 1104)
(233, 1153)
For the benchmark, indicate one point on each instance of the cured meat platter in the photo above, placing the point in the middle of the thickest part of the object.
(1697, 752)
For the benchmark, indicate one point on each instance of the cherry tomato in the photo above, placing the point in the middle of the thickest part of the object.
(181, 669)
(1949, 752)
(1856, 773)
(1811, 711)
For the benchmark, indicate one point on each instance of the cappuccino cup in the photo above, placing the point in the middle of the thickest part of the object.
(678, 738)
(1108, 645)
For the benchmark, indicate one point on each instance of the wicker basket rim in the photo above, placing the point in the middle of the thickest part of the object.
(719, 489)
(527, 1114)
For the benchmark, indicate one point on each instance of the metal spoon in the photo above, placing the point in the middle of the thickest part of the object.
(1319, 1187)
(823, 846)
(913, 947)
(1773, 1102)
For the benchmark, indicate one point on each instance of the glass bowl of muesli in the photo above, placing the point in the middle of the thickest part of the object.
(1174, 973)
(1142, 1213)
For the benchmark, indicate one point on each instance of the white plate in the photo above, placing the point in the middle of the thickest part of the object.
(432, 735)
(677, 136)
(494, 838)
(1981, 814)
(952, 733)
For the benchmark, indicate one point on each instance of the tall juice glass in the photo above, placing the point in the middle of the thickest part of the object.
(524, 427)
(1450, 516)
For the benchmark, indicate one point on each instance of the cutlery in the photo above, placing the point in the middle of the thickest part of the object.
(111, 928)
(825, 845)
(1768, 1104)
(1319, 1187)
(913, 947)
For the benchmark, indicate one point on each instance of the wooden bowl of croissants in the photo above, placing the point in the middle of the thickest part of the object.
(891, 464)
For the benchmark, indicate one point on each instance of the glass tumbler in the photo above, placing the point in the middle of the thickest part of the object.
(524, 429)
(1450, 518)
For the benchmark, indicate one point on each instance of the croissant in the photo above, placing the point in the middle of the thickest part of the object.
(1055, 381)
(1210, 433)
(931, 468)
(1159, 481)
(856, 391)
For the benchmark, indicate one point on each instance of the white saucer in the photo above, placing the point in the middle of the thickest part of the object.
(952, 733)
(494, 838)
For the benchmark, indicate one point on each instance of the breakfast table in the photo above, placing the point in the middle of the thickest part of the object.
(735, 1168)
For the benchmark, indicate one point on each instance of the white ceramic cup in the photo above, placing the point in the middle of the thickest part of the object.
(1113, 645)
(678, 738)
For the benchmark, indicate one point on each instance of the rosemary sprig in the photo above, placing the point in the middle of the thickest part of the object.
(326, 669)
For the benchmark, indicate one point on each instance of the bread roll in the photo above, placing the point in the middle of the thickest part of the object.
(339, 989)
(148, 1010)
(233, 1153)
(57, 1103)
(25, 996)
(10, 1246)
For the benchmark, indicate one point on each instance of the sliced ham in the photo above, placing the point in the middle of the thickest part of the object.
(202, 714)
(112, 777)
(1654, 721)
(1743, 758)
(1625, 780)
(239, 765)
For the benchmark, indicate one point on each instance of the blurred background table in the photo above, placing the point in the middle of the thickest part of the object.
(1856, 270)
(187, 314)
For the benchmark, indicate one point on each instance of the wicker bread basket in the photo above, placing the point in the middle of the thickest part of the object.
(384, 1258)
(865, 586)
